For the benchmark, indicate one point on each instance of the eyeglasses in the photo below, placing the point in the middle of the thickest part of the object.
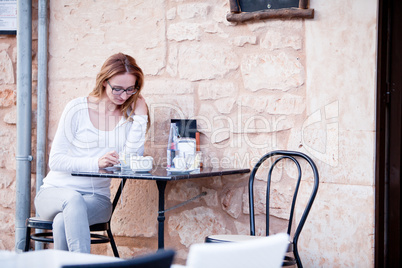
(118, 91)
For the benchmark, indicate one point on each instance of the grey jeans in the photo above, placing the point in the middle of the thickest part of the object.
(72, 213)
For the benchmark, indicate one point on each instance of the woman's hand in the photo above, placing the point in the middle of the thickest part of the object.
(141, 107)
(109, 159)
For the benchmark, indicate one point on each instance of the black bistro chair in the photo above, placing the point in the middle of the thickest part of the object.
(160, 259)
(96, 238)
(270, 160)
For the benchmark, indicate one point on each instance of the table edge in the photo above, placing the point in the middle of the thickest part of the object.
(162, 178)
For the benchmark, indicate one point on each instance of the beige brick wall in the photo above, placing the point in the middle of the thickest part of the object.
(253, 87)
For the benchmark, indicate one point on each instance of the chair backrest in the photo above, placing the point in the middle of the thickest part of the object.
(273, 158)
(160, 259)
(267, 252)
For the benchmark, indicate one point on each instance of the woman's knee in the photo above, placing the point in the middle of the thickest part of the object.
(74, 199)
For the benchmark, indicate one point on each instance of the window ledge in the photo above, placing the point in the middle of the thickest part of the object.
(284, 13)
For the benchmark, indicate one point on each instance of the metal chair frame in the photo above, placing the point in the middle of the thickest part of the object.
(47, 237)
(291, 155)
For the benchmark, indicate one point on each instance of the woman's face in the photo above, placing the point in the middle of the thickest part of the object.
(121, 82)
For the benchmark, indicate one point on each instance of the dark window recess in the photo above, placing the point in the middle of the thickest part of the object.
(256, 5)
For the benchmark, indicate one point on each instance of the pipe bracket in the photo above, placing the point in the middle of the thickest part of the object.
(24, 158)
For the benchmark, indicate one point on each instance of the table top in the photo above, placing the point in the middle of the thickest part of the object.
(159, 173)
(50, 258)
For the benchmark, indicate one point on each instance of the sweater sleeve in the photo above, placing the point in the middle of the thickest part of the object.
(60, 159)
(136, 136)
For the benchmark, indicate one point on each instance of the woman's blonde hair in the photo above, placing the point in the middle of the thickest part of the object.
(120, 64)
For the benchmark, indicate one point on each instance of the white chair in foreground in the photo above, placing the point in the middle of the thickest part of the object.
(267, 252)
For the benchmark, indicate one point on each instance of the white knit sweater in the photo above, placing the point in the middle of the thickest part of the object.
(78, 145)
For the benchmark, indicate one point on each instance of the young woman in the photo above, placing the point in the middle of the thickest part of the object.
(91, 133)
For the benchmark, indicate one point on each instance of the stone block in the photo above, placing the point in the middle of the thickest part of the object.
(280, 199)
(8, 98)
(171, 67)
(248, 120)
(240, 41)
(214, 182)
(237, 155)
(283, 34)
(184, 191)
(193, 11)
(6, 69)
(281, 71)
(205, 61)
(14, 54)
(277, 172)
(258, 25)
(278, 39)
(184, 31)
(173, 106)
(206, 119)
(231, 201)
(285, 104)
(167, 87)
(7, 221)
(8, 143)
(260, 141)
(225, 106)
(213, 28)
(216, 90)
(242, 228)
(4, 46)
(171, 14)
(6, 179)
(221, 130)
(211, 198)
(192, 226)
(7, 194)
(253, 102)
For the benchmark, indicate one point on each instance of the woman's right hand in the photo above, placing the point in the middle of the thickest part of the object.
(109, 159)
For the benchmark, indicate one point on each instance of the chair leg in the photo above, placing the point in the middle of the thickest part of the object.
(113, 244)
(297, 257)
(27, 238)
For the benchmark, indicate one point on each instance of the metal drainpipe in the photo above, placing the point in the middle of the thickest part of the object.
(42, 99)
(24, 110)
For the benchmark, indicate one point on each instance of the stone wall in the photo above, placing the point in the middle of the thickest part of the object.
(8, 128)
(253, 87)
(8, 115)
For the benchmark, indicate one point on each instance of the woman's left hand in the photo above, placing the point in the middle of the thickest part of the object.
(141, 107)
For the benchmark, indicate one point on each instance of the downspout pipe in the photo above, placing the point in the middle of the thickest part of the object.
(42, 94)
(42, 99)
(24, 110)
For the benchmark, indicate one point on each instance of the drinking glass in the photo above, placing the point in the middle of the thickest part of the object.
(124, 161)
